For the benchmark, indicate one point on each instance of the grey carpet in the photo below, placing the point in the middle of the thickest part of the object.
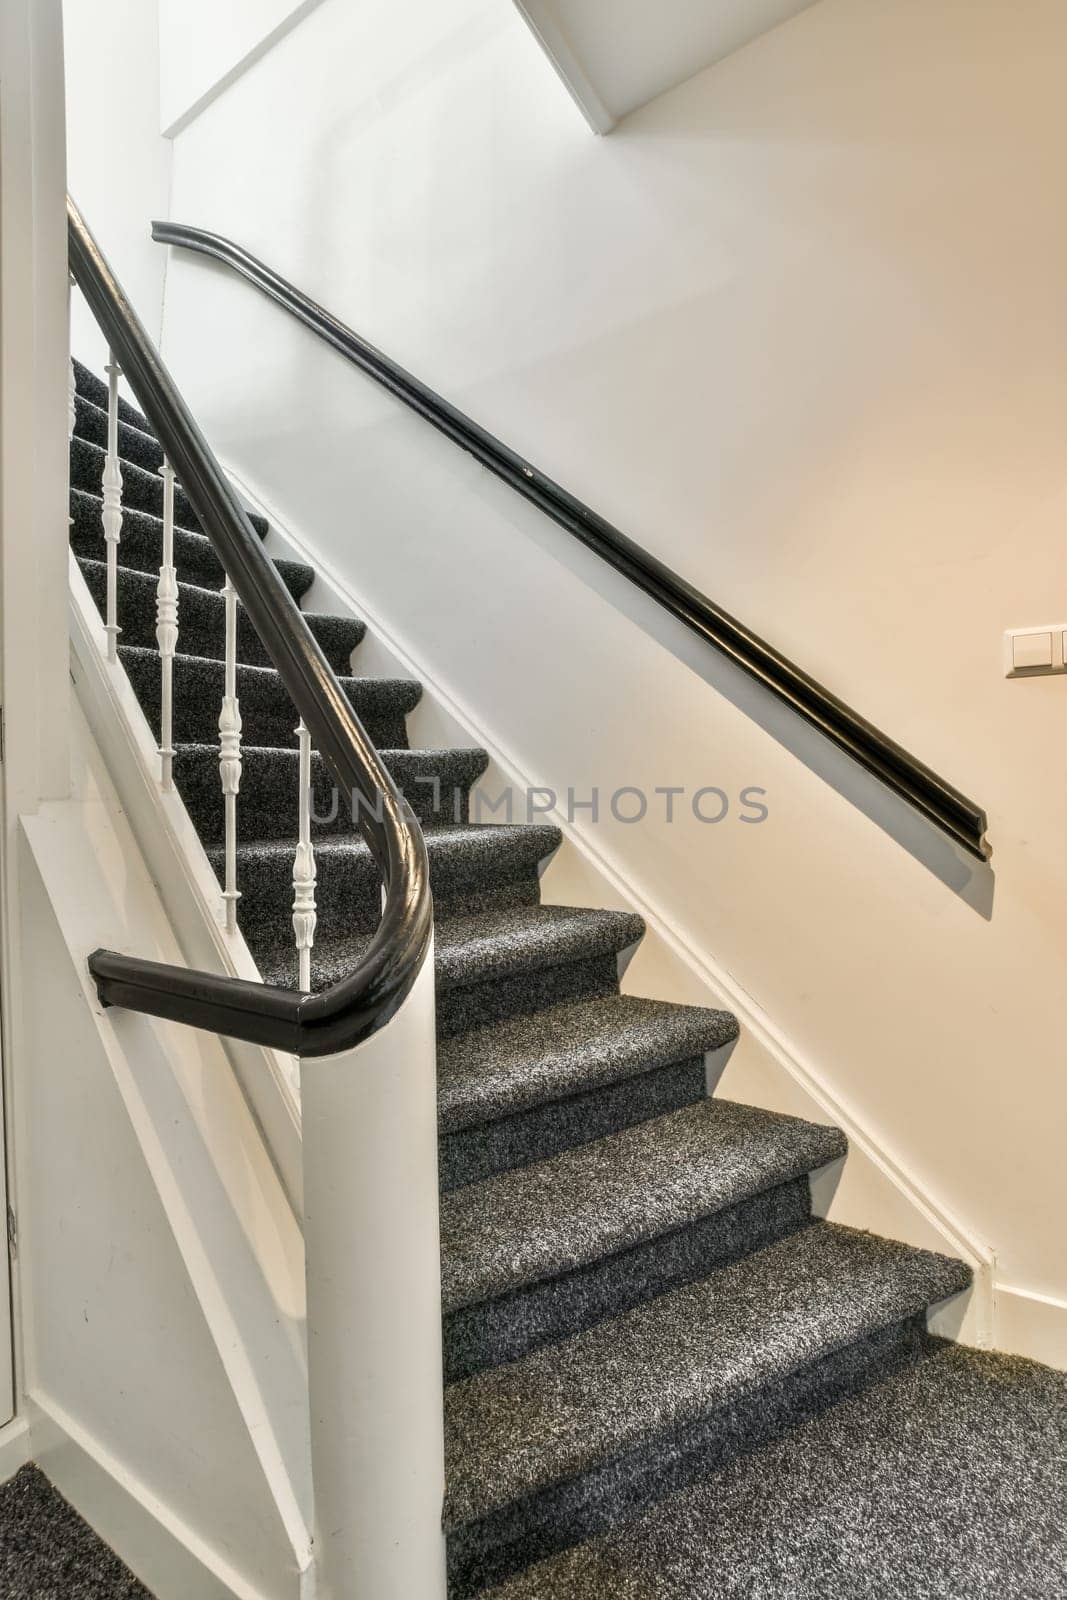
(634, 1288)
(48, 1553)
(546, 1449)
(946, 1481)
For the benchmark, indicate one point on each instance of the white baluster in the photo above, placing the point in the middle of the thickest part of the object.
(167, 628)
(112, 512)
(304, 873)
(230, 755)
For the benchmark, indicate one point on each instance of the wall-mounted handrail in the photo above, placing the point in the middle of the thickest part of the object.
(937, 800)
(353, 1008)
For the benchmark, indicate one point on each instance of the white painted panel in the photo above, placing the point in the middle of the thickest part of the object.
(162, 1266)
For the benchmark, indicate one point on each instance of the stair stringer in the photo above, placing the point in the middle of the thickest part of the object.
(162, 1273)
(873, 1188)
(181, 871)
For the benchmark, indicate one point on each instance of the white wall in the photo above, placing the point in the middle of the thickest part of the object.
(203, 46)
(799, 327)
(118, 165)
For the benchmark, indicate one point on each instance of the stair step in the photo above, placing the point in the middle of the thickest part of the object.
(498, 962)
(267, 806)
(939, 1482)
(469, 863)
(535, 1086)
(520, 1065)
(202, 620)
(546, 1451)
(142, 489)
(141, 449)
(141, 547)
(267, 713)
(537, 1253)
(87, 383)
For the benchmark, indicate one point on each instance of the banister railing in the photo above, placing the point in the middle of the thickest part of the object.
(355, 1007)
(943, 805)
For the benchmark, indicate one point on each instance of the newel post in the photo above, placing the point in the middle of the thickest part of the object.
(374, 1310)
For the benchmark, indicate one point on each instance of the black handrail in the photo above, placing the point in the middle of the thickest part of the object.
(937, 800)
(339, 1017)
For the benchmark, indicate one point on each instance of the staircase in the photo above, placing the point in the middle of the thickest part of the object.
(634, 1288)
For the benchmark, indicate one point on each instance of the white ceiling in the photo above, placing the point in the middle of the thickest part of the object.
(616, 55)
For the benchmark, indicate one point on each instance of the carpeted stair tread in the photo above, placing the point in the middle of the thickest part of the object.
(497, 1071)
(142, 488)
(202, 619)
(944, 1481)
(483, 862)
(435, 783)
(494, 944)
(540, 1221)
(502, 943)
(522, 843)
(517, 1429)
(141, 547)
(267, 713)
(141, 449)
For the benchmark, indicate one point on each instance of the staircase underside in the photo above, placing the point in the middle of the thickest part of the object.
(636, 1295)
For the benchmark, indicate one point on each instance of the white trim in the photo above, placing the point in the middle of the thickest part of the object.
(159, 1547)
(14, 1448)
(548, 31)
(178, 862)
(1030, 1324)
(880, 1192)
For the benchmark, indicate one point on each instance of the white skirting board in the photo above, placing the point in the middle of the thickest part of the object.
(162, 1550)
(1033, 1325)
(14, 1447)
(873, 1188)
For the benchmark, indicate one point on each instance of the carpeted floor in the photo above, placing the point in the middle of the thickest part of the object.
(48, 1553)
(947, 1481)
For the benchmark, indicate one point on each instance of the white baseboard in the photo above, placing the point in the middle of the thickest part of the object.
(874, 1189)
(14, 1447)
(1034, 1325)
(168, 1557)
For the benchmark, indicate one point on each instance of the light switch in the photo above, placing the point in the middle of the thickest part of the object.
(1034, 652)
(1031, 651)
